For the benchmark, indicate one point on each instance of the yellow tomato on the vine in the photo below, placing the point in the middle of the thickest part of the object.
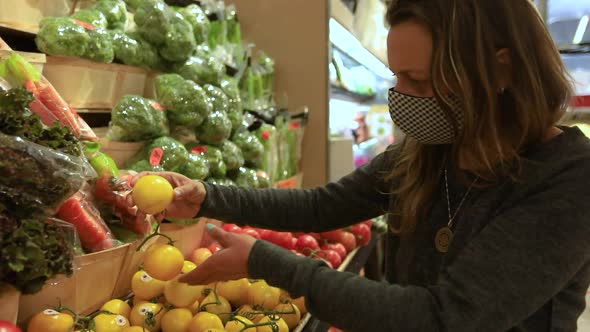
(205, 321)
(272, 325)
(117, 307)
(260, 293)
(249, 312)
(187, 267)
(300, 303)
(152, 194)
(148, 315)
(110, 323)
(235, 291)
(289, 313)
(163, 261)
(217, 305)
(50, 320)
(239, 324)
(176, 320)
(146, 287)
(180, 294)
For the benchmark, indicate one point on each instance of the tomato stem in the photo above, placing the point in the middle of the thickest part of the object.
(154, 234)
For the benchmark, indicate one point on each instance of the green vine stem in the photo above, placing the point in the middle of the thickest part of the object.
(154, 234)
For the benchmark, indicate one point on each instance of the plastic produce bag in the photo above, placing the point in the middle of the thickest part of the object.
(186, 103)
(217, 167)
(136, 119)
(246, 178)
(166, 152)
(36, 179)
(269, 162)
(145, 166)
(133, 4)
(151, 18)
(62, 36)
(199, 21)
(232, 155)
(115, 12)
(100, 46)
(291, 137)
(215, 129)
(221, 182)
(251, 147)
(92, 16)
(264, 180)
(180, 40)
(202, 70)
(196, 167)
(235, 110)
(217, 97)
(79, 211)
(146, 54)
(103, 164)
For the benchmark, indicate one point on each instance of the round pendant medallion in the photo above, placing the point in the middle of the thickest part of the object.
(443, 238)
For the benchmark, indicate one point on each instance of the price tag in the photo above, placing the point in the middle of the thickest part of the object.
(84, 24)
(156, 156)
(265, 135)
(199, 149)
(157, 106)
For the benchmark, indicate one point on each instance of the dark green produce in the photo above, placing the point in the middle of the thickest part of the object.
(186, 103)
(232, 155)
(251, 147)
(148, 55)
(34, 252)
(62, 36)
(180, 40)
(199, 21)
(217, 167)
(152, 18)
(246, 178)
(136, 119)
(202, 70)
(268, 136)
(196, 167)
(215, 129)
(165, 152)
(126, 48)
(217, 97)
(221, 182)
(263, 180)
(133, 4)
(93, 17)
(115, 12)
(145, 166)
(235, 110)
(100, 46)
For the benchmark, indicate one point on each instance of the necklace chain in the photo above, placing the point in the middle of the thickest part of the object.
(453, 216)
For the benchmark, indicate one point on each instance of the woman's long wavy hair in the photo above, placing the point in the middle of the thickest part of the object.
(499, 121)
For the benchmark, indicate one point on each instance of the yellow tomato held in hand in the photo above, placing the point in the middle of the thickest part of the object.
(200, 255)
(176, 320)
(117, 307)
(180, 294)
(50, 320)
(110, 323)
(146, 287)
(289, 313)
(235, 291)
(217, 305)
(260, 293)
(187, 267)
(152, 194)
(148, 315)
(204, 321)
(239, 324)
(163, 261)
(273, 324)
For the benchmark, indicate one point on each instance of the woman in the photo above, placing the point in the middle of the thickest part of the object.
(486, 197)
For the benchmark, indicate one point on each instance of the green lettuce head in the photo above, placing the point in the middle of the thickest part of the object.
(214, 156)
(115, 12)
(100, 46)
(62, 36)
(199, 21)
(232, 155)
(196, 167)
(251, 147)
(215, 129)
(202, 70)
(93, 17)
(186, 103)
(136, 119)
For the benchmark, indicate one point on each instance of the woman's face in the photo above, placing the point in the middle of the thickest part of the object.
(409, 46)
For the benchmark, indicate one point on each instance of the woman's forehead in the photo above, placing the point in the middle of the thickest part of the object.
(409, 47)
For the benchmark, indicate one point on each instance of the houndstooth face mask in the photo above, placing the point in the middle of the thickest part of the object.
(422, 118)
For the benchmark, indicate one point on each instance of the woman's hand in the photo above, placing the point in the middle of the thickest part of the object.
(189, 195)
(230, 263)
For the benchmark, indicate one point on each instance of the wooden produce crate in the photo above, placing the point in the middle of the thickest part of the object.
(91, 285)
(91, 85)
(133, 259)
(36, 59)
(24, 15)
(187, 238)
(9, 299)
(121, 152)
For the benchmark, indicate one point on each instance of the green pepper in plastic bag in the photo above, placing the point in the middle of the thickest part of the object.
(202, 70)
(215, 129)
(246, 178)
(92, 16)
(147, 54)
(217, 167)
(235, 110)
(165, 152)
(137, 119)
(196, 167)
(145, 166)
(251, 147)
(180, 40)
(263, 179)
(199, 21)
(100, 46)
(221, 182)
(133, 4)
(232, 155)
(62, 36)
(186, 103)
(115, 12)
(217, 97)
(152, 18)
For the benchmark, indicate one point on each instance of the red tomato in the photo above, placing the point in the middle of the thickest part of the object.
(232, 228)
(294, 241)
(6, 326)
(368, 223)
(362, 232)
(316, 236)
(265, 234)
(282, 239)
(332, 235)
(333, 257)
(348, 241)
(215, 247)
(251, 231)
(337, 247)
(306, 244)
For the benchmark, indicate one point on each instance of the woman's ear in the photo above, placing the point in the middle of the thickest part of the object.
(504, 67)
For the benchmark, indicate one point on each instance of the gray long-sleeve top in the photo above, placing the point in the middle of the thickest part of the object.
(519, 260)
